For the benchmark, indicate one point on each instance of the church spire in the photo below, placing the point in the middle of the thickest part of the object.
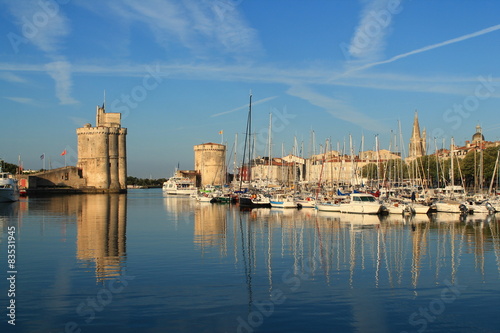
(417, 142)
(416, 127)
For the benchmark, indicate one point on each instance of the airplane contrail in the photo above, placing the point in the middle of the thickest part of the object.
(427, 48)
(244, 106)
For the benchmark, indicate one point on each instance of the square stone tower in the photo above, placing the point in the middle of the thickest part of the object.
(102, 152)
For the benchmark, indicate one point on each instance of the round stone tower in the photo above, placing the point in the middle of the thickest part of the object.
(210, 163)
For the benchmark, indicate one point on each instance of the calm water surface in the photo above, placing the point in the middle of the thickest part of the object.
(142, 262)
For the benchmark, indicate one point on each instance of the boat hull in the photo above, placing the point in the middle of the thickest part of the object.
(249, 202)
(328, 207)
(360, 209)
(283, 204)
(9, 195)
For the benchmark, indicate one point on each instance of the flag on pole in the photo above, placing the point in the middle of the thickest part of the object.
(221, 132)
(42, 156)
(63, 153)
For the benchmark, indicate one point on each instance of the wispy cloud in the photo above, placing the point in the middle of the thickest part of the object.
(47, 33)
(47, 36)
(260, 101)
(195, 25)
(369, 39)
(22, 100)
(11, 77)
(337, 108)
(60, 71)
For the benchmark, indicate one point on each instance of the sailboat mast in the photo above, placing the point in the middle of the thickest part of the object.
(452, 171)
(250, 151)
(247, 134)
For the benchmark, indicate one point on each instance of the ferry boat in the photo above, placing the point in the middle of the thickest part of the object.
(179, 186)
(9, 189)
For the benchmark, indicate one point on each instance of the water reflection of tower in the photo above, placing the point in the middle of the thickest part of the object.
(101, 233)
(210, 227)
(419, 249)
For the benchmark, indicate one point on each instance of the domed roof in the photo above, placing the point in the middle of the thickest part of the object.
(478, 136)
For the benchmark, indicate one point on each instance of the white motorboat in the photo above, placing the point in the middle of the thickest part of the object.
(419, 208)
(451, 206)
(204, 197)
(480, 207)
(9, 189)
(362, 203)
(283, 201)
(179, 186)
(308, 202)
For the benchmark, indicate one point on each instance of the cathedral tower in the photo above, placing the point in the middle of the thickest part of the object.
(417, 147)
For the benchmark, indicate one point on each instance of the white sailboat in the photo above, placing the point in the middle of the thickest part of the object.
(451, 203)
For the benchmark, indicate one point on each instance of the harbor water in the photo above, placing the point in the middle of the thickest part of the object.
(144, 262)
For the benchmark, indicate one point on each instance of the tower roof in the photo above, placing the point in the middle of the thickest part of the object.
(415, 133)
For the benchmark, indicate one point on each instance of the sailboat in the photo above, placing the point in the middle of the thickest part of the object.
(450, 204)
(252, 200)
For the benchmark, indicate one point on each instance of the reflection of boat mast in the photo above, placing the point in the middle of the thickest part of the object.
(479, 246)
(352, 255)
(322, 252)
(247, 263)
(269, 254)
(495, 239)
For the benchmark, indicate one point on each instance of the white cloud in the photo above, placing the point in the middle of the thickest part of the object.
(196, 25)
(368, 41)
(22, 100)
(42, 24)
(60, 71)
(11, 77)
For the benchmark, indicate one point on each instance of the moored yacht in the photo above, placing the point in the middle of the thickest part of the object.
(254, 200)
(362, 203)
(9, 189)
(283, 201)
(179, 186)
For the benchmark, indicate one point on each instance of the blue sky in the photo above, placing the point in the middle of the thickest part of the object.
(181, 71)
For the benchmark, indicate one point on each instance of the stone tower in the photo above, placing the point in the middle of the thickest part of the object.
(417, 146)
(210, 163)
(102, 152)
